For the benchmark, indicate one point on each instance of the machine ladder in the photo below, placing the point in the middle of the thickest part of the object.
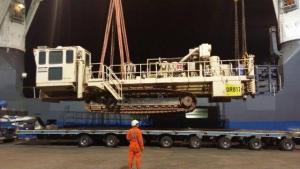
(107, 80)
(112, 83)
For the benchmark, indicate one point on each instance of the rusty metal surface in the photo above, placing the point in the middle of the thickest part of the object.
(158, 104)
(138, 109)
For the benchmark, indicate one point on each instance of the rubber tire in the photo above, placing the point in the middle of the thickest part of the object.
(194, 142)
(166, 142)
(224, 143)
(111, 140)
(85, 141)
(287, 144)
(255, 144)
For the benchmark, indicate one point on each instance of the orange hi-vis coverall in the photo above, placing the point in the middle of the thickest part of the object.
(136, 146)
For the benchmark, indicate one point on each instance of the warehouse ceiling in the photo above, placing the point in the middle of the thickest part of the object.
(155, 28)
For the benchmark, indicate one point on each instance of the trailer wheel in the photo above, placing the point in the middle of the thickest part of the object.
(195, 142)
(287, 144)
(111, 140)
(166, 142)
(224, 143)
(85, 141)
(255, 144)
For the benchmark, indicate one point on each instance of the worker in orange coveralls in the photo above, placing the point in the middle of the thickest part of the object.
(136, 146)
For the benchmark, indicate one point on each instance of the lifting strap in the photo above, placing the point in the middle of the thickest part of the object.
(118, 26)
(236, 31)
(244, 33)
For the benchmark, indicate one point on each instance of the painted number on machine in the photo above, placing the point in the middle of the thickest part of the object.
(233, 89)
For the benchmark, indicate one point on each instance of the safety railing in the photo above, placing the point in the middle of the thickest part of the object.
(268, 79)
(183, 69)
(213, 67)
(96, 72)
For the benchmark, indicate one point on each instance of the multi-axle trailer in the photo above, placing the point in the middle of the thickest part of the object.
(224, 139)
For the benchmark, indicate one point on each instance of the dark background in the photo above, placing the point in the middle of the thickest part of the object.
(155, 28)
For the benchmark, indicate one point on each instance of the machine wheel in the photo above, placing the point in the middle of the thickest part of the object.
(111, 140)
(195, 142)
(85, 141)
(255, 144)
(287, 144)
(188, 102)
(166, 142)
(224, 143)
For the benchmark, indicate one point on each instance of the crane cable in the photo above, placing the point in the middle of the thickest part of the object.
(236, 31)
(244, 33)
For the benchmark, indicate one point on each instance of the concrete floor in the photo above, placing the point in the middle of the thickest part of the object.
(45, 156)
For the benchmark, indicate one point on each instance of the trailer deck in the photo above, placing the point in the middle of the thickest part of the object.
(194, 137)
(184, 132)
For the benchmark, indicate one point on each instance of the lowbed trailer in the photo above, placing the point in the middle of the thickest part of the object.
(224, 139)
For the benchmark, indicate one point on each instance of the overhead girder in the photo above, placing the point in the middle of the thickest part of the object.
(3, 9)
(31, 13)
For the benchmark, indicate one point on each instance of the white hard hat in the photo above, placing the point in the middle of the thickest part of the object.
(134, 123)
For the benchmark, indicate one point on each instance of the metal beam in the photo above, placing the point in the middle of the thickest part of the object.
(4, 5)
(31, 13)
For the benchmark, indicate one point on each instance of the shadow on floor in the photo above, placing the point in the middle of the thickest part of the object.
(124, 167)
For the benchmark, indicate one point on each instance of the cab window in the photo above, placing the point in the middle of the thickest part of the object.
(42, 58)
(55, 73)
(55, 57)
(87, 59)
(69, 56)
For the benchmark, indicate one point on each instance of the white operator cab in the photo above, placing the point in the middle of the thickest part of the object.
(60, 71)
